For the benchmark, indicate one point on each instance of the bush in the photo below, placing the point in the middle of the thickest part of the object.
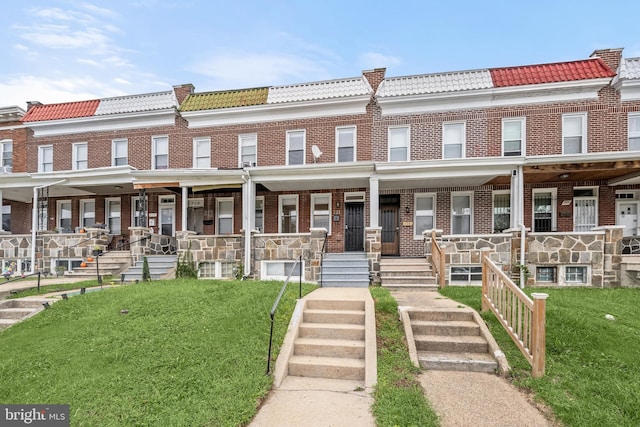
(146, 274)
(186, 267)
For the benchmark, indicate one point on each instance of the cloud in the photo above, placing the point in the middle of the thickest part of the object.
(370, 60)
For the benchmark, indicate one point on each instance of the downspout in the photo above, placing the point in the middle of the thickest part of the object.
(34, 220)
(185, 207)
(247, 196)
(523, 229)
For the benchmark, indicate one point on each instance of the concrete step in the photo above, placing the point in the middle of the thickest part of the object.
(406, 273)
(5, 323)
(327, 367)
(22, 303)
(318, 304)
(452, 315)
(411, 287)
(351, 317)
(345, 283)
(403, 260)
(448, 328)
(345, 256)
(404, 267)
(341, 269)
(331, 331)
(329, 348)
(463, 344)
(406, 280)
(15, 313)
(459, 361)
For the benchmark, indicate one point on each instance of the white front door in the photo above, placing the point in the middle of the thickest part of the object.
(167, 213)
(627, 215)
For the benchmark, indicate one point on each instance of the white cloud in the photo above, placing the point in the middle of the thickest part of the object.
(370, 60)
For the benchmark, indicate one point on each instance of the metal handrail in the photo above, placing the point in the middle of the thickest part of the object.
(37, 273)
(322, 252)
(277, 301)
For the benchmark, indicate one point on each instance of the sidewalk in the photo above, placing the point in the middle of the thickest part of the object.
(7, 288)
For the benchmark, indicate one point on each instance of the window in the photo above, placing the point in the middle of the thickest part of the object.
(119, 152)
(634, 132)
(425, 208)
(6, 218)
(461, 220)
(224, 215)
(346, 144)
(202, 153)
(6, 155)
(399, 144)
(513, 134)
(45, 158)
(64, 216)
(139, 212)
(295, 147)
(546, 274)
(585, 208)
(80, 156)
(321, 211)
(453, 138)
(248, 151)
(466, 274)
(501, 211)
(288, 207)
(216, 270)
(279, 270)
(544, 210)
(573, 274)
(87, 213)
(259, 221)
(574, 133)
(112, 209)
(160, 152)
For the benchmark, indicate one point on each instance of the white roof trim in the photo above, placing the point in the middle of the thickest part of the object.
(582, 158)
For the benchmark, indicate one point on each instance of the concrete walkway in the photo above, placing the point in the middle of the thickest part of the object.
(28, 283)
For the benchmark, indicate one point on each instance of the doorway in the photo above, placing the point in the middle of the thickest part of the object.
(390, 221)
(354, 226)
(627, 215)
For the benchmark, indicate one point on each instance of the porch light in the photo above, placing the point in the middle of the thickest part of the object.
(564, 176)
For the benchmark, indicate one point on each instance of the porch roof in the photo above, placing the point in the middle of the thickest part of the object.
(314, 177)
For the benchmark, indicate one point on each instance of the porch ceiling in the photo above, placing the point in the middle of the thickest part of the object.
(409, 182)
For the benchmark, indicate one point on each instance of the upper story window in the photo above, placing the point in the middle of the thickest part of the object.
(634, 132)
(513, 136)
(45, 158)
(119, 152)
(574, 133)
(160, 152)
(80, 156)
(248, 150)
(202, 152)
(399, 144)
(425, 218)
(321, 211)
(453, 139)
(346, 144)
(6, 155)
(295, 147)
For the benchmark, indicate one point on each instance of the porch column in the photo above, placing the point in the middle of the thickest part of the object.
(1, 208)
(374, 200)
(248, 219)
(517, 198)
(185, 207)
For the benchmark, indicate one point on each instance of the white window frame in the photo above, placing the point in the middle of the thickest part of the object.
(155, 140)
(281, 199)
(463, 143)
(470, 214)
(339, 131)
(523, 135)
(493, 207)
(215, 269)
(108, 214)
(114, 151)
(59, 218)
(419, 213)
(583, 130)
(287, 265)
(633, 134)
(249, 140)
(391, 144)
(554, 210)
(202, 161)
(564, 275)
(165, 201)
(77, 165)
(304, 145)
(41, 158)
(6, 164)
(314, 197)
(472, 271)
(83, 212)
(220, 215)
(259, 199)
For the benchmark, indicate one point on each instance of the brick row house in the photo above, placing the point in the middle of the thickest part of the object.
(539, 165)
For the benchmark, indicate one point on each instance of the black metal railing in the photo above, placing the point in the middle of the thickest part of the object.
(272, 313)
(23, 276)
(322, 252)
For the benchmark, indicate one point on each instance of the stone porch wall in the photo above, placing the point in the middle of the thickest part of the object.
(373, 249)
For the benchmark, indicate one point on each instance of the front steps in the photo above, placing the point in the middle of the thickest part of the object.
(111, 264)
(407, 274)
(331, 335)
(451, 340)
(160, 267)
(13, 311)
(345, 270)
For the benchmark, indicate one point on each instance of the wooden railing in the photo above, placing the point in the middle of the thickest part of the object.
(437, 257)
(521, 317)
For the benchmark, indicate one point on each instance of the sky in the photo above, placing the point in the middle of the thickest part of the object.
(68, 50)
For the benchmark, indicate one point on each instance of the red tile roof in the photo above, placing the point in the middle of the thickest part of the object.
(67, 110)
(550, 73)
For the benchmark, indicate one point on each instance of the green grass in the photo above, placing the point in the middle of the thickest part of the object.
(188, 353)
(399, 398)
(45, 289)
(592, 364)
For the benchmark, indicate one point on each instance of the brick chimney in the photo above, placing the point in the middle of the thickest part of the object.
(374, 77)
(611, 57)
(31, 104)
(182, 91)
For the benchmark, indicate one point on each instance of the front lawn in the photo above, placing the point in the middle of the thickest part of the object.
(593, 364)
(187, 353)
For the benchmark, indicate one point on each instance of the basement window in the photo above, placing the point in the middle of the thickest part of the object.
(279, 270)
(546, 274)
(466, 274)
(216, 270)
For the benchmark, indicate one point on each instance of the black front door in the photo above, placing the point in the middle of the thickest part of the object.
(354, 227)
(390, 221)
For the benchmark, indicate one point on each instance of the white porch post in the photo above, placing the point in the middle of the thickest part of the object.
(515, 199)
(248, 219)
(1, 208)
(374, 200)
(185, 207)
